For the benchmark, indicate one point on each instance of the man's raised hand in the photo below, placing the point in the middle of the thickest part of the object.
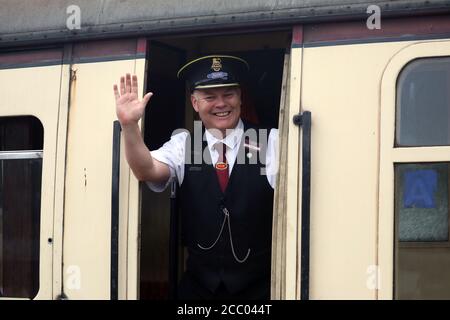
(129, 108)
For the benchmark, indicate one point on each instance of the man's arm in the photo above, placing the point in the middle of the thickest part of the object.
(129, 111)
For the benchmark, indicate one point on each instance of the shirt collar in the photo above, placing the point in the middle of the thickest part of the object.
(231, 140)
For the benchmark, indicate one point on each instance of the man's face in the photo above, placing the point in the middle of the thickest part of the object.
(218, 108)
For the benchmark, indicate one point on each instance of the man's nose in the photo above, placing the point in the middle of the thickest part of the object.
(220, 101)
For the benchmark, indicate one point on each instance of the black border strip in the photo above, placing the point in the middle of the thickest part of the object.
(30, 65)
(109, 58)
(306, 194)
(115, 211)
(75, 61)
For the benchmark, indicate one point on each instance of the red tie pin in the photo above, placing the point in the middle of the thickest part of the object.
(221, 166)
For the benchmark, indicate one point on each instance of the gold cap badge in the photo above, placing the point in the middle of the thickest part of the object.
(216, 64)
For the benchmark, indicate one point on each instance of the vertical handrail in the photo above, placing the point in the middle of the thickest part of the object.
(115, 211)
(304, 121)
(173, 242)
(306, 200)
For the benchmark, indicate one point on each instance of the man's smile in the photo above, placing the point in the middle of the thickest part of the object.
(222, 113)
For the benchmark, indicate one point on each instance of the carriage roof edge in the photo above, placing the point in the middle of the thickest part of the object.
(54, 21)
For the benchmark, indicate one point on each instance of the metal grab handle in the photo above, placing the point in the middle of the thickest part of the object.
(173, 242)
(115, 212)
(304, 120)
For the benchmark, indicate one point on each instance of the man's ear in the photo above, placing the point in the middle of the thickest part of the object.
(194, 102)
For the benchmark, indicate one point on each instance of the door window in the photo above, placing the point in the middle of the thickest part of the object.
(422, 247)
(21, 144)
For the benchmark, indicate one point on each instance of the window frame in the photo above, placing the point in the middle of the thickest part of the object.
(391, 155)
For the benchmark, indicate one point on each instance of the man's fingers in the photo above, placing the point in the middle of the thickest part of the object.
(122, 85)
(147, 97)
(128, 83)
(116, 92)
(134, 85)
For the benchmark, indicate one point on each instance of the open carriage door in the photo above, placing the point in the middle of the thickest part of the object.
(100, 226)
(161, 255)
(286, 244)
(33, 113)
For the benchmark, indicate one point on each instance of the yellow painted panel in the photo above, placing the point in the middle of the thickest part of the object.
(341, 88)
(87, 227)
(36, 91)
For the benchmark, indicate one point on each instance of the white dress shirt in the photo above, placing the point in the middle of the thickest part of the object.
(172, 153)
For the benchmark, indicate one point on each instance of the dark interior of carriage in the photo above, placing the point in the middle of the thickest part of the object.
(20, 205)
(170, 109)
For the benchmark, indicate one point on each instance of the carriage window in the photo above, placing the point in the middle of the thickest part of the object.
(422, 227)
(21, 144)
(423, 103)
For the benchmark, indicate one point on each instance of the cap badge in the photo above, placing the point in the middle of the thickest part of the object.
(221, 165)
(216, 64)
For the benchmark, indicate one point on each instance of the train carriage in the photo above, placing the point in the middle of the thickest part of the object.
(360, 93)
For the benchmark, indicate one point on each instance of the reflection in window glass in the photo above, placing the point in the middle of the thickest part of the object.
(423, 103)
(21, 144)
(422, 202)
(422, 244)
(21, 133)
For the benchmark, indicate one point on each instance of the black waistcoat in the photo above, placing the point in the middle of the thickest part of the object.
(248, 199)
